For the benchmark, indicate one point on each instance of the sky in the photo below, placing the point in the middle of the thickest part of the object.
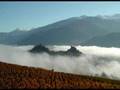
(28, 15)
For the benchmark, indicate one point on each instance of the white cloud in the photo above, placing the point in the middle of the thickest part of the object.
(95, 60)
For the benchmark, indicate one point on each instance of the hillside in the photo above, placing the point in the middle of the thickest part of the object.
(109, 40)
(70, 31)
(16, 76)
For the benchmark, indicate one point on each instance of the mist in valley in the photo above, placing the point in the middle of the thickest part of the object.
(94, 61)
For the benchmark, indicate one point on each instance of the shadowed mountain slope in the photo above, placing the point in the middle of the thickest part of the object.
(109, 40)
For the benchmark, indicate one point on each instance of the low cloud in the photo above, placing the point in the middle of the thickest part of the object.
(95, 61)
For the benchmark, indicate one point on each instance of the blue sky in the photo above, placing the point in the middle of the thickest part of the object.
(27, 15)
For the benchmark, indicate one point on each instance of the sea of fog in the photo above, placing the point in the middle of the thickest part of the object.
(95, 61)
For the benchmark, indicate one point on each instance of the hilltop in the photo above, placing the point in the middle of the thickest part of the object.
(41, 49)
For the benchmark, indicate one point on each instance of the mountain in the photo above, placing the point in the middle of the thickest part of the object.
(108, 40)
(115, 16)
(71, 31)
(12, 37)
(42, 49)
(75, 30)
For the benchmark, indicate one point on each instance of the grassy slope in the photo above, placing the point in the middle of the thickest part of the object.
(15, 76)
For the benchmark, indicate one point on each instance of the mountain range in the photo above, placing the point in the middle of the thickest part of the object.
(83, 30)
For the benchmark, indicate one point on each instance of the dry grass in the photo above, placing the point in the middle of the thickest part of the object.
(15, 76)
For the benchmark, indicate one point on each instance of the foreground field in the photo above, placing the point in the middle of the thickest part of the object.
(15, 76)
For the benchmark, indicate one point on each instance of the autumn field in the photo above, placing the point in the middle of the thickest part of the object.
(15, 76)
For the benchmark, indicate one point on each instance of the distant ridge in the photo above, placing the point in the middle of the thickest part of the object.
(72, 31)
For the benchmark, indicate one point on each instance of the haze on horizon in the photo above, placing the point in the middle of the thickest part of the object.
(28, 15)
